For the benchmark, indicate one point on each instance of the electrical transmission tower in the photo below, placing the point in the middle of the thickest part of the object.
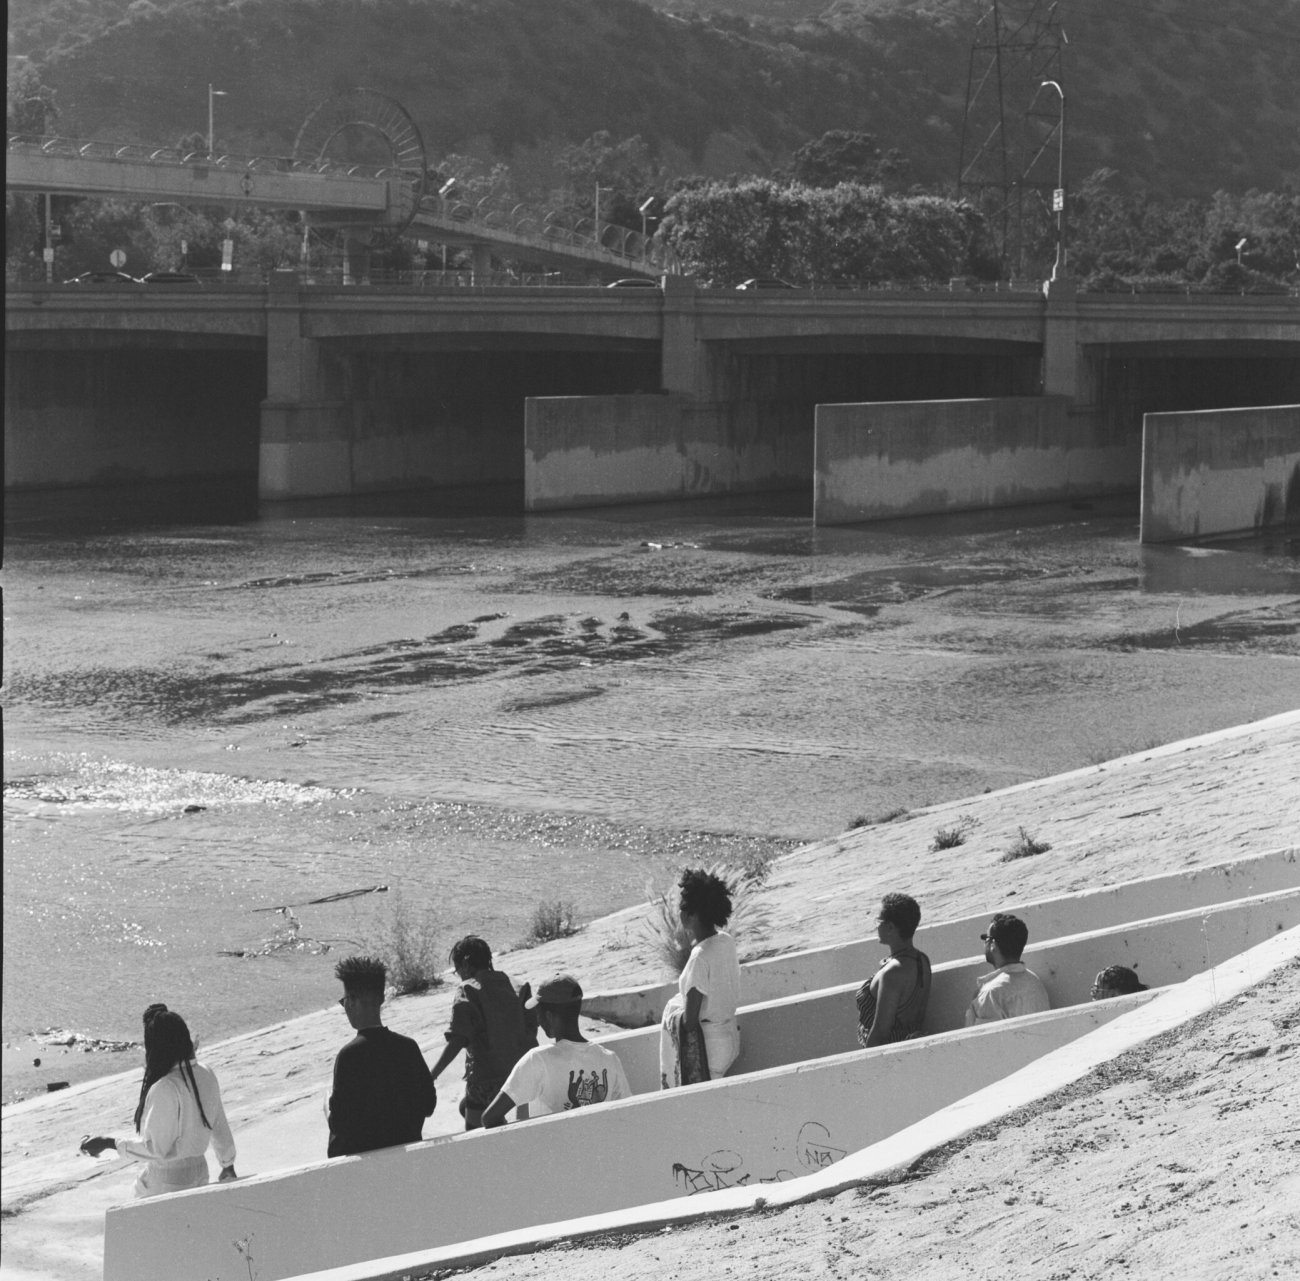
(1010, 126)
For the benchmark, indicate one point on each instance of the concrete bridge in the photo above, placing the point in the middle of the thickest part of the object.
(316, 390)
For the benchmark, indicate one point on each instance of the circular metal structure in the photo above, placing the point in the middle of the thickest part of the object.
(365, 128)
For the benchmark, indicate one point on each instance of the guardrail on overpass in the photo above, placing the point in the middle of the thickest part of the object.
(332, 193)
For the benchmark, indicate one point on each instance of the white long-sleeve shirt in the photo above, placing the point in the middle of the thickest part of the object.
(1007, 993)
(173, 1139)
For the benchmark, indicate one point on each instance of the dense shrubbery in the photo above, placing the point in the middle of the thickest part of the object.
(1128, 243)
(847, 234)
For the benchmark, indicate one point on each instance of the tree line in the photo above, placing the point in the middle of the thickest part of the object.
(840, 215)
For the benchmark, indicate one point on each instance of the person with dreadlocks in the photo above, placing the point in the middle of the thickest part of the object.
(179, 1114)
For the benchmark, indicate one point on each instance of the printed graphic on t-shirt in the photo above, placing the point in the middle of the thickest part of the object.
(586, 1087)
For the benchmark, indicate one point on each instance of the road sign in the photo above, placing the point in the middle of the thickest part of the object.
(1058, 199)
(118, 258)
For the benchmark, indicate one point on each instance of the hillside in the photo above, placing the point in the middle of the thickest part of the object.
(1181, 96)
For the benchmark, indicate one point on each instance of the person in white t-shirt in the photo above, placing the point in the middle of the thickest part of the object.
(572, 1073)
(699, 1038)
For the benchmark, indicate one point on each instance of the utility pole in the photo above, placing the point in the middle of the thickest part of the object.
(1017, 46)
(597, 217)
(48, 252)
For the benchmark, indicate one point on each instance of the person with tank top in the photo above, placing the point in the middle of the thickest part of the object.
(892, 1002)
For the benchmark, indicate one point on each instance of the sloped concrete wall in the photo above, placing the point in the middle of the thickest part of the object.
(802, 1113)
(1162, 950)
(1055, 1071)
(594, 451)
(814, 968)
(1220, 471)
(913, 458)
(764, 1129)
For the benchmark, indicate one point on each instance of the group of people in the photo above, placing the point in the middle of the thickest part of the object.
(383, 1090)
(892, 1002)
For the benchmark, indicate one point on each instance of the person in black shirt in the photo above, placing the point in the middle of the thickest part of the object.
(488, 1022)
(382, 1088)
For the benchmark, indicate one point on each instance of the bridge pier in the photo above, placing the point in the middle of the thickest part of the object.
(305, 448)
(1067, 370)
(687, 364)
(681, 358)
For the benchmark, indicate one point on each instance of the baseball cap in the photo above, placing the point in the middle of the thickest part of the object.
(560, 990)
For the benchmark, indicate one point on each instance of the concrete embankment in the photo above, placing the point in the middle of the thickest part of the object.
(1189, 804)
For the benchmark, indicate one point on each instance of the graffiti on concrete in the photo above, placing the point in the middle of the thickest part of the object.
(719, 1170)
(814, 1147)
(727, 1169)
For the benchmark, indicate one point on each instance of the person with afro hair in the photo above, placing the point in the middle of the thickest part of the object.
(699, 1037)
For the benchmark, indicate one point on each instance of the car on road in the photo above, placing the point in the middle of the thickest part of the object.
(633, 282)
(169, 278)
(102, 278)
(764, 282)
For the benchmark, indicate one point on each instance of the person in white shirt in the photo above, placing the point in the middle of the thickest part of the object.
(179, 1115)
(1012, 989)
(699, 1038)
(572, 1073)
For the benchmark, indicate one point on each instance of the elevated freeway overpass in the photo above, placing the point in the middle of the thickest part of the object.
(356, 198)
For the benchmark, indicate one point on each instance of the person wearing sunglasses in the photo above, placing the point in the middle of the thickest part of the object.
(1012, 989)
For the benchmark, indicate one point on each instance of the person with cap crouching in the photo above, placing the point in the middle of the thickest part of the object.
(571, 1073)
(1012, 989)
(1116, 980)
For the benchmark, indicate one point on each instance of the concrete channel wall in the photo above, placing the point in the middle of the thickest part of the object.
(1171, 1011)
(802, 1111)
(1164, 949)
(592, 451)
(763, 1128)
(915, 458)
(1220, 471)
(815, 968)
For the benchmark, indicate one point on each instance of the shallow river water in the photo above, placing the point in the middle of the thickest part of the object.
(214, 713)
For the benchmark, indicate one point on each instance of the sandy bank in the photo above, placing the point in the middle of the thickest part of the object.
(1184, 805)
(1171, 1161)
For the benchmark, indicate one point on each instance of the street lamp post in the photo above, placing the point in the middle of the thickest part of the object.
(596, 219)
(644, 209)
(1058, 196)
(212, 93)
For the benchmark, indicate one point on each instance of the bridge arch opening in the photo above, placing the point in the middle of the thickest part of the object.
(83, 408)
